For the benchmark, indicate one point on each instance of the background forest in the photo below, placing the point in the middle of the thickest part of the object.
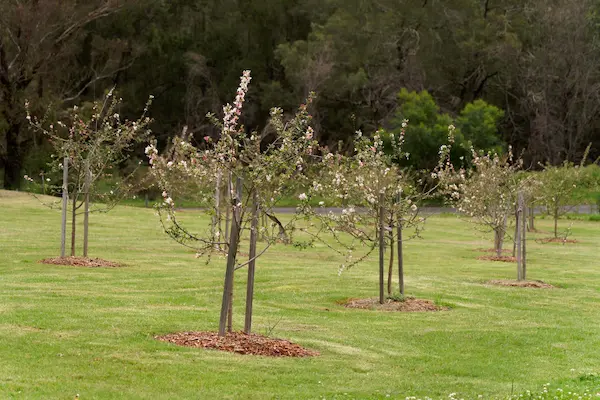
(518, 72)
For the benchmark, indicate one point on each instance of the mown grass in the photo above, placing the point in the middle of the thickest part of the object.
(69, 330)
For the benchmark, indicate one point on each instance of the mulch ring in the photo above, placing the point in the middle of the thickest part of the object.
(239, 342)
(408, 305)
(81, 262)
(496, 258)
(525, 284)
(492, 250)
(555, 240)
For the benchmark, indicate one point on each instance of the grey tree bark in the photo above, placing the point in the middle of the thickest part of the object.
(251, 265)
(231, 257)
(65, 204)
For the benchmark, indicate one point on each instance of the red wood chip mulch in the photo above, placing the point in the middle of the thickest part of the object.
(496, 258)
(408, 305)
(239, 342)
(555, 240)
(492, 250)
(525, 284)
(81, 262)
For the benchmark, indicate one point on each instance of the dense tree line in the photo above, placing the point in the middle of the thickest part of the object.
(534, 61)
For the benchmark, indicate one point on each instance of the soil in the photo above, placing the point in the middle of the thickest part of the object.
(555, 240)
(239, 342)
(81, 262)
(496, 258)
(525, 284)
(408, 305)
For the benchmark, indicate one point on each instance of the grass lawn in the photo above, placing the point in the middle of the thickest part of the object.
(72, 330)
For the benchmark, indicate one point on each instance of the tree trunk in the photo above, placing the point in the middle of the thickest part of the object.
(73, 222)
(65, 205)
(400, 257)
(524, 243)
(251, 264)
(86, 211)
(498, 240)
(228, 208)
(381, 251)
(216, 220)
(231, 257)
(556, 222)
(518, 225)
(390, 266)
(531, 219)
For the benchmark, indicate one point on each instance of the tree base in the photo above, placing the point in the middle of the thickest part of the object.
(239, 342)
(496, 258)
(81, 262)
(555, 240)
(523, 284)
(408, 305)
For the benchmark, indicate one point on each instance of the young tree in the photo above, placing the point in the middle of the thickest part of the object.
(377, 204)
(89, 144)
(486, 193)
(562, 188)
(264, 167)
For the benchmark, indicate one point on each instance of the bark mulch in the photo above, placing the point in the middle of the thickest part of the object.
(525, 284)
(239, 342)
(496, 258)
(555, 240)
(492, 250)
(408, 305)
(81, 262)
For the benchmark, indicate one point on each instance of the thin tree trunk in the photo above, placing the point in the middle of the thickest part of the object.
(400, 257)
(517, 227)
(498, 238)
(381, 251)
(531, 219)
(251, 264)
(524, 242)
(73, 222)
(65, 205)
(86, 211)
(230, 306)
(228, 208)
(519, 224)
(390, 266)
(556, 222)
(231, 257)
(219, 216)
(216, 220)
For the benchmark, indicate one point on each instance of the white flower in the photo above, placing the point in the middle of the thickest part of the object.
(169, 164)
(302, 196)
(413, 207)
(321, 203)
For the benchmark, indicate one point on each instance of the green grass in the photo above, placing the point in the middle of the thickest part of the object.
(68, 330)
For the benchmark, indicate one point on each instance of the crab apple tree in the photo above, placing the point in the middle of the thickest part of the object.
(264, 167)
(376, 199)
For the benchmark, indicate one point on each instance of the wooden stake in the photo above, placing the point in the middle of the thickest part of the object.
(65, 202)
(251, 264)
(231, 257)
